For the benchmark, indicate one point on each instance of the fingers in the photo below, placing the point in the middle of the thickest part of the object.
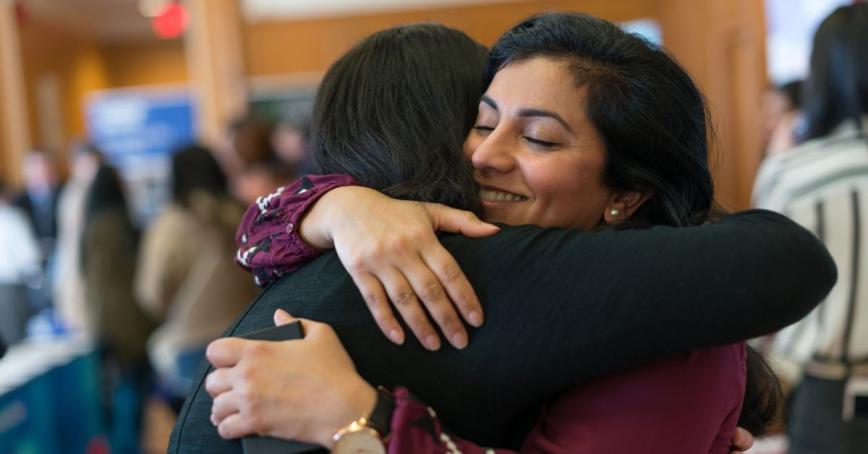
(225, 352)
(235, 426)
(217, 382)
(448, 219)
(281, 317)
(457, 286)
(402, 295)
(743, 440)
(223, 406)
(375, 297)
(430, 291)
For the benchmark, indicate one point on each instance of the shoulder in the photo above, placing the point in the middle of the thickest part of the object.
(810, 167)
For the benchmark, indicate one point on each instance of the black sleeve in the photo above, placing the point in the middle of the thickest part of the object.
(580, 305)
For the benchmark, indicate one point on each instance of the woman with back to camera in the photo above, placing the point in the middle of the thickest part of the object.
(183, 269)
(507, 368)
(822, 184)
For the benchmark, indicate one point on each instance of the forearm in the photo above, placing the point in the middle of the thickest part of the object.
(616, 299)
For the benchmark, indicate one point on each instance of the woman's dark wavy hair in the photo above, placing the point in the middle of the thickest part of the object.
(651, 117)
(394, 111)
(654, 124)
(837, 86)
(194, 168)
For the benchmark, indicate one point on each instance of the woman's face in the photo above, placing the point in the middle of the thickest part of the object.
(537, 157)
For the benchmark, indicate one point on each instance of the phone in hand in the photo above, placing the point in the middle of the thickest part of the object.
(268, 445)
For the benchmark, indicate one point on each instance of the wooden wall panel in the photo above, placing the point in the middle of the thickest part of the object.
(149, 63)
(311, 45)
(71, 58)
(722, 44)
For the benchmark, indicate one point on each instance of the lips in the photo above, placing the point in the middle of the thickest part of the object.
(488, 194)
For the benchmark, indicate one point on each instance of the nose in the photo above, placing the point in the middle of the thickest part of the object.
(494, 154)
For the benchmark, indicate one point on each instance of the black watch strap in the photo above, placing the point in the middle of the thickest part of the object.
(381, 418)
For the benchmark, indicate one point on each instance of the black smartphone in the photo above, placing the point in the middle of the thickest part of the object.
(268, 445)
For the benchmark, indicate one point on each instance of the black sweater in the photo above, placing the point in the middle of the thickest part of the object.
(561, 307)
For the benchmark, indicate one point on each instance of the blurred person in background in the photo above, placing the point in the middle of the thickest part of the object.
(108, 259)
(781, 109)
(186, 276)
(248, 140)
(260, 179)
(19, 266)
(291, 146)
(39, 198)
(250, 160)
(69, 290)
(823, 184)
(39, 202)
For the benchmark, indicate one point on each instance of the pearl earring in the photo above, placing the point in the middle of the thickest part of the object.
(614, 212)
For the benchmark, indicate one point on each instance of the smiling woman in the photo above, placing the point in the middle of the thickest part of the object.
(538, 158)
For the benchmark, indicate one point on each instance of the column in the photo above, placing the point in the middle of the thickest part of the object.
(14, 132)
(215, 61)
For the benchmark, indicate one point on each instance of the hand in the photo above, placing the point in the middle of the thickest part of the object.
(389, 248)
(742, 441)
(303, 389)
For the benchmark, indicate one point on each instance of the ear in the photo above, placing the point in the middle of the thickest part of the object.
(622, 205)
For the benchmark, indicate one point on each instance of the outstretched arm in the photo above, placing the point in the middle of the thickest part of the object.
(311, 390)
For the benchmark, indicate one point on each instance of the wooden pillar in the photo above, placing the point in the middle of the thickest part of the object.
(215, 62)
(14, 130)
(722, 45)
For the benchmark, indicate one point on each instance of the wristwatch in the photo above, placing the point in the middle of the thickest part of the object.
(367, 435)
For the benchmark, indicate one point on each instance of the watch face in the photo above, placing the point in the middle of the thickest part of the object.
(365, 441)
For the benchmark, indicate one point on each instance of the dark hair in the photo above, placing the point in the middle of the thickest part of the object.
(195, 168)
(649, 113)
(394, 111)
(105, 193)
(251, 138)
(654, 124)
(792, 91)
(837, 86)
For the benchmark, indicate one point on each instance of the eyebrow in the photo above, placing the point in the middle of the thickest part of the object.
(531, 113)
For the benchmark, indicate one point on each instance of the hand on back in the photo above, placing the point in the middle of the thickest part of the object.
(391, 250)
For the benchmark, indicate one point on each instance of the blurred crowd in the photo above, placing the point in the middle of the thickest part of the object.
(151, 296)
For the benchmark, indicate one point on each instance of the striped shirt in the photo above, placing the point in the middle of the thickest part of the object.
(823, 185)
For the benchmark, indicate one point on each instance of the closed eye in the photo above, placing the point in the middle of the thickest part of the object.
(541, 143)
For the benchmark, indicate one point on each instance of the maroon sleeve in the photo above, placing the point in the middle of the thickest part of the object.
(415, 428)
(269, 244)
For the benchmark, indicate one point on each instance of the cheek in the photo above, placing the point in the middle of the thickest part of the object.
(569, 190)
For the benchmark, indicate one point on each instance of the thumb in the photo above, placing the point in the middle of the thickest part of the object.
(448, 219)
(281, 317)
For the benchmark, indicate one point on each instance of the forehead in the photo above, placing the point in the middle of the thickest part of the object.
(539, 83)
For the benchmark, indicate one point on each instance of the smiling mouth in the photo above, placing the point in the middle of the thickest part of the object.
(490, 195)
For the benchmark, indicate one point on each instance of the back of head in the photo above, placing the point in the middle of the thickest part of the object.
(105, 194)
(194, 168)
(393, 112)
(837, 86)
(651, 116)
